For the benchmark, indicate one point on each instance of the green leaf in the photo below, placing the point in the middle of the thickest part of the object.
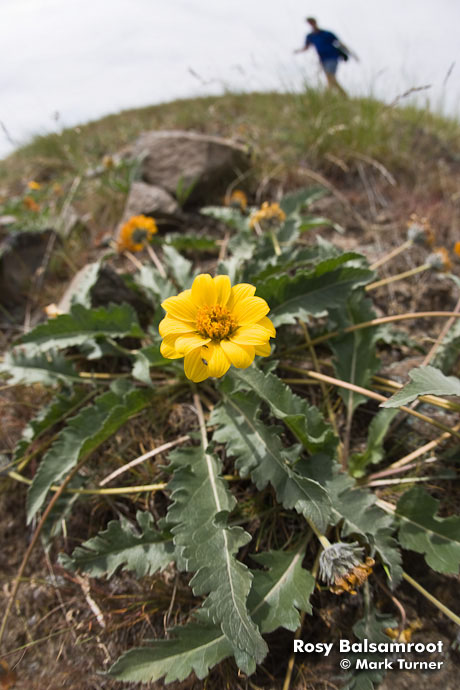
(228, 215)
(119, 545)
(153, 284)
(192, 242)
(305, 421)
(293, 202)
(355, 359)
(82, 324)
(374, 452)
(276, 595)
(308, 223)
(207, 546)
(48, 368)
(82, 435)
(62, 405)
(260, 453)
(311, 293)
(422, 531)
(87, 278)
(179, 267)
(448, 352)
(146, 358)
(424, 381)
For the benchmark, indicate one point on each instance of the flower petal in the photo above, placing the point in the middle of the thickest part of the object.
(203, 290)
(266, 323)
(169, 326)
(263, 350)
(223, 289)
(241, 356)
(250, 310)
(181, 307)
(250, 335)
(239, 292)
(218, 363)
(188, 342)
(167, 348)
(194, 368)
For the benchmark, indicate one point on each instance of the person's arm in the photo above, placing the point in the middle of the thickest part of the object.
(305, 47)
(347, 50)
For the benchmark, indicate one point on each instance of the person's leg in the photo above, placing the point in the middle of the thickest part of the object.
(330, 69)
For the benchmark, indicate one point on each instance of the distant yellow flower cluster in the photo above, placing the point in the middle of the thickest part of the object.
(214, 325)
(267, 216)
(135, 233)
(34, 185)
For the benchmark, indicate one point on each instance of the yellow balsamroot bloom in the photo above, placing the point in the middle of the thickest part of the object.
(134, 233)
(34, 185)
(214, 325)
(267, 215)
(457, 248)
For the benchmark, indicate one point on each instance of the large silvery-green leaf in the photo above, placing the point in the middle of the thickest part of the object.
(82, 324)
(448, 352)
(355, 358)
(276, 597)
(424, 381)
(48, 368)
(313, 292)
(260, 453)
(278, 594)
(83, 433)
(422, 531)
(62, 406)
(179, 267)
(305, 421)
(120, 545)
(198, 517)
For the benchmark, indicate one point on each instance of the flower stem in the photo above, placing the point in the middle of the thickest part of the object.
(391, 255)
(276, 244)
(153, 255)
(446, 611)
(398, 276)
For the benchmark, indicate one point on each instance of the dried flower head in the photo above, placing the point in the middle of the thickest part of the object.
(31, 204)
(135, 233)
(420, 231)
(52, 310)
(268, 216)
(237, 199)
(439, 259)
(341, 567)
(214, 325)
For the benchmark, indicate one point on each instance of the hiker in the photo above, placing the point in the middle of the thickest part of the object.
(330, 50)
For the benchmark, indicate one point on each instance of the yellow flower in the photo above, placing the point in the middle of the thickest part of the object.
(134, 233)
(267, 216)
(214, 325)
(237, 199)
(34, 185)
(457, 248)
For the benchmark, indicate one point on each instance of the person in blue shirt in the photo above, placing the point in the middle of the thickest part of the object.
(330, 50)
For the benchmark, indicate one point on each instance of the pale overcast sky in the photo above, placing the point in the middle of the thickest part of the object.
(82, 59)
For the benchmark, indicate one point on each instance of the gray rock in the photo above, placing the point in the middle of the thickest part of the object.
(196, 168)
(150, 200)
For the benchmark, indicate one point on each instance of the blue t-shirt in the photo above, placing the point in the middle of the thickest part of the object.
(324, 44)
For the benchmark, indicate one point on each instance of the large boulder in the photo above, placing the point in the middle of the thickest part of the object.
(196, 168)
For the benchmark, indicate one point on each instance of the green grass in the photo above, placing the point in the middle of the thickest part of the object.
(316, 128)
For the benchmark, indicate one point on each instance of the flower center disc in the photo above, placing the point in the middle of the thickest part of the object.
(215, 322)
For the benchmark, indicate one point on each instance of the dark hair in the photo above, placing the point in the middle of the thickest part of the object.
(312, 20)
